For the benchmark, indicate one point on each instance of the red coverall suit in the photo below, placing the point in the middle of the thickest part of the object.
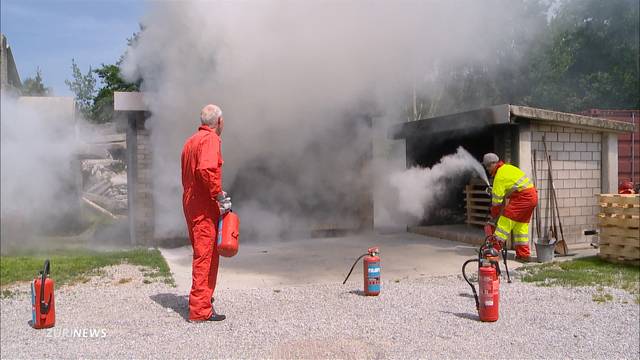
(202, 182)
(512, 183)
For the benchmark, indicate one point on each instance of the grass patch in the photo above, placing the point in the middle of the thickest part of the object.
(73, 266)
(589, 271)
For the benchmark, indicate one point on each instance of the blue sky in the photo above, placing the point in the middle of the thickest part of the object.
(49, 33)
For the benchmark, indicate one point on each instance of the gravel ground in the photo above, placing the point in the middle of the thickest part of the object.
(427, 317)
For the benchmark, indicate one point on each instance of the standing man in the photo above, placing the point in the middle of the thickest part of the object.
(203, 202)
(511, 183)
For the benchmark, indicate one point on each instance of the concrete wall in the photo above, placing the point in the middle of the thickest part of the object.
(139, 180)
(577, 170)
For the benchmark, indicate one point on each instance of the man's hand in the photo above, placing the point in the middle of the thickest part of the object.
(224, 203)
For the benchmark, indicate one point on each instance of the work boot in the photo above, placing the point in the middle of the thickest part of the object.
(216, 317)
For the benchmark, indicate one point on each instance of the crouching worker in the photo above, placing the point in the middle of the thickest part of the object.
(203, 202)
(511, 183)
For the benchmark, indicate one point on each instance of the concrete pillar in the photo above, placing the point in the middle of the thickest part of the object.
(524, 149)
(609, 163)
(525, 164)
(139, 179)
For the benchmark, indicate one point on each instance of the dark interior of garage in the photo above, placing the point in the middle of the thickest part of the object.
(426, 148)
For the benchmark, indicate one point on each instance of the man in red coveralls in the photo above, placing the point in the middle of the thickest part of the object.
(204, 202)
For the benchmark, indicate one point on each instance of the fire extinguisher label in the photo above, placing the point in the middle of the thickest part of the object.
(33, 304)
(373, 281)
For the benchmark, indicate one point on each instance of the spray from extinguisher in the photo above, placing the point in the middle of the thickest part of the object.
(371, 271)
(488, 302)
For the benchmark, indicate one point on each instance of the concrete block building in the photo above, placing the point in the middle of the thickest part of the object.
(583, 151)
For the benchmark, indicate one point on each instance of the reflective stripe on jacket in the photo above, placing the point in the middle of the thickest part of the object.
(507, 180)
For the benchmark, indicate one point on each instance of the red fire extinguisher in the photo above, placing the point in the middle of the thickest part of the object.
(371, 271)
(228, 234)
(488, 302)
(43, 314)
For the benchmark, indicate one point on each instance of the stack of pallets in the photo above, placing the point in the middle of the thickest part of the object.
(477, 203)
(619, 222)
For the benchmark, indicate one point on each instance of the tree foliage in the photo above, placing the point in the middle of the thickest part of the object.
(35, 86)
(584, 56)
(590, 58)
(111, 80)
(84, 88)
(95, 96)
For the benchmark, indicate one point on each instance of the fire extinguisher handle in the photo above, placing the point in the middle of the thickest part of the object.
(44, 307)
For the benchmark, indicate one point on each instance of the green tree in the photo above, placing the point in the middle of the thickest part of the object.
(84, 88)
(111, 81)
(590, 58)
(109, 75)
(35, 86)
(499, 77)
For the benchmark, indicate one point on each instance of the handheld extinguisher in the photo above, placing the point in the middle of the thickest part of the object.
(228, 234)
(371, 271)
(43, 314)
(487, 303)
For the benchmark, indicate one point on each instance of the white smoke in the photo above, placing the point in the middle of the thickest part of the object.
(290, 76)
(420, 190)
(38, 146)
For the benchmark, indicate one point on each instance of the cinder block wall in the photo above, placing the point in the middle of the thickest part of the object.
(139, 181)
(576, 159)
(144, 196)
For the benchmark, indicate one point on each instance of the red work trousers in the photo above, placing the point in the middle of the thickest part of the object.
(202, 233)
(520, 208)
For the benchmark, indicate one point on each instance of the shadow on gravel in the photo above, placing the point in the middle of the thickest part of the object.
(357, 292)
(179, 304)
(466, 295)
(467, 316)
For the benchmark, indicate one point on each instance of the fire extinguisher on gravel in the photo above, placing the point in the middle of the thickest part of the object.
(488, 302)
(371, 271)
(43, 313)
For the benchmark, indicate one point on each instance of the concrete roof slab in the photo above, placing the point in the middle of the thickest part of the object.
(129, 101)
(503, 114)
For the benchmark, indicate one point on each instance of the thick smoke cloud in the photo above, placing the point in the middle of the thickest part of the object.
(38, 185)
(299, 83)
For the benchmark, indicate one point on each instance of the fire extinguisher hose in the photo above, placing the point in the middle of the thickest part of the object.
(473, 288)
(504, 258)
(353, 266)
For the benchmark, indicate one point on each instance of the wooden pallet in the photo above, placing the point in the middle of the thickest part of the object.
(620, 260)
(477, 204)
(619, 224)
(620, 199)
(629, 252)
(620, 221)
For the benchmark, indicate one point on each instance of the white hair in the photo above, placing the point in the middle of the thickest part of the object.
(210, 114)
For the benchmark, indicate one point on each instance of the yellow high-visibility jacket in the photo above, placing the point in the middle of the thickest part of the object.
(508, 179)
